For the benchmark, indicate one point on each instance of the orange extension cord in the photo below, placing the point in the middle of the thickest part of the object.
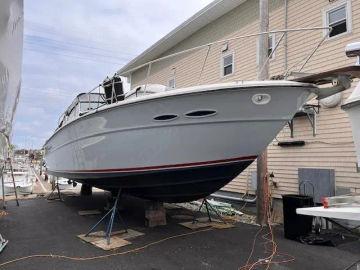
(269, 260)
(268, 238)
(52, 256)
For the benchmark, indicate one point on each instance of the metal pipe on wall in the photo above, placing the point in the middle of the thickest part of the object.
(286, 6)
(231, 198)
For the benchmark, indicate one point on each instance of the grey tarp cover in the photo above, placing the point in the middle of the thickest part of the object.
(352, 107)
(11, 48)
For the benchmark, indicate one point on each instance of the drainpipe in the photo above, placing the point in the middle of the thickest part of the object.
(242, 199)
(286, 35)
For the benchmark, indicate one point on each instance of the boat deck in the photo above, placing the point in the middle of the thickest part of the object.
(42, 227)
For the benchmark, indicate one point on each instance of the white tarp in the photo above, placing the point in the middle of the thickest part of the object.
(352, 107)
(11, 48)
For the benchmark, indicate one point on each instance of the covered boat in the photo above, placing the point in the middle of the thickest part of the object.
(352, 107)
(11, 46)
(352, 104)
(170, 145)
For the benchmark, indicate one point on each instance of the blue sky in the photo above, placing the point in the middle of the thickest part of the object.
(71, 46)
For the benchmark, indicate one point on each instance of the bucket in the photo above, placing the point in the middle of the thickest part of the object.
(296, 225)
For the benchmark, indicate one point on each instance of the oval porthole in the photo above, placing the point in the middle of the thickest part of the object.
(166, 117)
(200, 113)
(261, 99)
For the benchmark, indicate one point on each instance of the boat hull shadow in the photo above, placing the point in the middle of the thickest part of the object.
(174, 185)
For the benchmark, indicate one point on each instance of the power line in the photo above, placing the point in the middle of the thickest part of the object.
(73, 56)
(49, 41)
(44, 29)
(61, 49)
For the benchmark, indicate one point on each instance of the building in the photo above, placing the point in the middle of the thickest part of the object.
(236, 59)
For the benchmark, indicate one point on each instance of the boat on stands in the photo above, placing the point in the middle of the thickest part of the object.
(170, 145)
(177, 145)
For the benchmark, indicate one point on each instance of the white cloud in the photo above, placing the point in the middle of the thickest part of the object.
(71, 46)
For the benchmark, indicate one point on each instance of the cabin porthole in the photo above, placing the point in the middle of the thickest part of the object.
(200, 113)
(165, 117)
(261, 99)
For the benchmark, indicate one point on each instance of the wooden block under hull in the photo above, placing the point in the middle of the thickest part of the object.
(118, 239)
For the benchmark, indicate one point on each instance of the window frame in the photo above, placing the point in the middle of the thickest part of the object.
(273, 44)
(348, 13)
(223, 56)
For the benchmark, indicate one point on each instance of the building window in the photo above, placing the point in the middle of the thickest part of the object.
(338, 18)
(172, 83)
(272, 44)
(227, 64)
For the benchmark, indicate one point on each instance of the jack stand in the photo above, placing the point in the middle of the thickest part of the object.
(55, 188)
(3, 189)
(13, 178)
(3, 168)
(3, 243)
(113, 211)
(8, 160)
(208, 207)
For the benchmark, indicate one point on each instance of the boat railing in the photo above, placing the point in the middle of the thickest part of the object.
(97, 97)
(301, 64)
(90, 101)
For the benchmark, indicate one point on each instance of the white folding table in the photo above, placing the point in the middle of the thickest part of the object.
(346, 213)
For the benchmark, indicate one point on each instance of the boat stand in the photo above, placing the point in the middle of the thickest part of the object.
(3, 186)
(112, 212)
(55, 189)
(3, 169)
(8, 161)
(3, 243)
(208, 208)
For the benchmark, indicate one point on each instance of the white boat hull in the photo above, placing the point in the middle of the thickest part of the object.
(21, 188)
(23, 181)
(64, 184)
(180, 159)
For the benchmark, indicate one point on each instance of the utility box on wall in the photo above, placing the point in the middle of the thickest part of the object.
(316, 182)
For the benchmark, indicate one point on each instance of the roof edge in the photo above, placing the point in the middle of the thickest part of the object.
(123, 71)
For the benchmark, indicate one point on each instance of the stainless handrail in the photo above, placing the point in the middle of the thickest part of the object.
(223, 41)
(113, 97)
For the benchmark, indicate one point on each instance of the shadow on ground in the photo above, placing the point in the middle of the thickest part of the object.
(42, 227)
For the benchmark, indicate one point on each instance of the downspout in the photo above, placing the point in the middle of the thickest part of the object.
(231, 198)
(286, 35)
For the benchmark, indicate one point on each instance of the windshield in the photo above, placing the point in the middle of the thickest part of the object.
(81, 105)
